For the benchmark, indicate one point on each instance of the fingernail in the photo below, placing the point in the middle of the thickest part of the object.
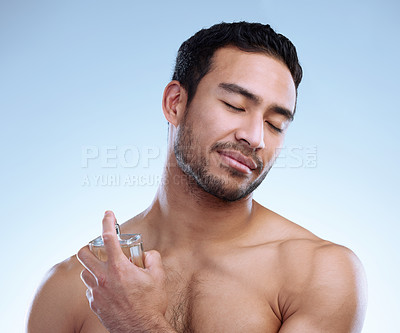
(107, 212)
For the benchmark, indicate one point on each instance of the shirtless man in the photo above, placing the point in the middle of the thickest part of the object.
(216, 260)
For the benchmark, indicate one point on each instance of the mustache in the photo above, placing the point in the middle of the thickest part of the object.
(248, 152)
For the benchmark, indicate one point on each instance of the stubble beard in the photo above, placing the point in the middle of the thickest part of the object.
(194, 164)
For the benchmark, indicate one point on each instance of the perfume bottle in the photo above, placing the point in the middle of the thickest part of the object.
(131, 245)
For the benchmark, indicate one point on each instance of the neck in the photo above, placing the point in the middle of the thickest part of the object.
(184, 214)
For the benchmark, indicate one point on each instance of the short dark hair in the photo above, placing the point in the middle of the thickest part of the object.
(194, 57)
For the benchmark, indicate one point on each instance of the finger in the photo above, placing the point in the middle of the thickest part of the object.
(153, 263)
(110, 238)
(90, 261)
(88, 279)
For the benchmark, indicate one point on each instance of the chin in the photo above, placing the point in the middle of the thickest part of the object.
(224, 188)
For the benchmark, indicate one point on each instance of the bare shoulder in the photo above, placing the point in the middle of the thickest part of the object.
(313, 262)
(323, 284)
(325, 288)
(60, 303)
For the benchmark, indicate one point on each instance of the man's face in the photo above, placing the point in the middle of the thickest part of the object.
(231, 132)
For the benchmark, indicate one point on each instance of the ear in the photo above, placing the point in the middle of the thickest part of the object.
(174, 102)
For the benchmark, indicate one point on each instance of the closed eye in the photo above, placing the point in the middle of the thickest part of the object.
(274, 128)
(233, 107)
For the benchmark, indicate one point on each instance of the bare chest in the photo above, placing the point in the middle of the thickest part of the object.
(232, 293)
(219, 302)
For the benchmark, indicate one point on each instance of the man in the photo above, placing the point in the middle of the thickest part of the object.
(216, 260)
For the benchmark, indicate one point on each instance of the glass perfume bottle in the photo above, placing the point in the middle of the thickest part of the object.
(131, 245)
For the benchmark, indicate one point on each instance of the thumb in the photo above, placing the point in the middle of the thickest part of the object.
(153, 263)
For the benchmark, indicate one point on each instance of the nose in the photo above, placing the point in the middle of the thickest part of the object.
(251, 131)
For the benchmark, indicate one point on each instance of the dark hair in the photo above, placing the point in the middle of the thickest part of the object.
(195, 55)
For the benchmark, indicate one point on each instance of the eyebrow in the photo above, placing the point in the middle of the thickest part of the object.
(236, 89)
(283, 111)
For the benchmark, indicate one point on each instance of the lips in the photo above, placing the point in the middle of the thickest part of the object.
(238, 160)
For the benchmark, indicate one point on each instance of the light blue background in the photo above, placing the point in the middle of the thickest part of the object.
(79, 74)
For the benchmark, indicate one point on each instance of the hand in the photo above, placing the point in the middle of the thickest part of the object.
(126, 298)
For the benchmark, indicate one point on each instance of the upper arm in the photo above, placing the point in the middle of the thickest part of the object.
(333, 297)
(56, 305)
